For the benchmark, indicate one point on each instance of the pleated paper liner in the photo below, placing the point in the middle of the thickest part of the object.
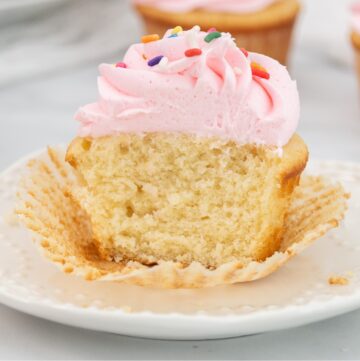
(268, 32)
(63, 231)
(274, 42)
(356, 45)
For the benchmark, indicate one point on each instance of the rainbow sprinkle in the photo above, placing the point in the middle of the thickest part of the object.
(120, 64)
(212, 36)
(149, 38)
(245, 52)
(260, 71)
(211, 30)
(193, 52)
(176, 30)
(155, 61)
(173, 36)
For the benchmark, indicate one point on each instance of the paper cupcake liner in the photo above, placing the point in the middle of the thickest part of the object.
(274, 41)
(63, 231)
(357, 63)
(355, 39)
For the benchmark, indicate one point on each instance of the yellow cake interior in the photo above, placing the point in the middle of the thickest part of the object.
(183, 198)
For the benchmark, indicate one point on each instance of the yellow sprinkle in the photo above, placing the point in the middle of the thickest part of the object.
(176, 30)
(258, 66)
(150, 38)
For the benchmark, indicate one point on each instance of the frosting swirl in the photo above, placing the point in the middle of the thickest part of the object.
(237, 6)
(355, 17)
(221, 92)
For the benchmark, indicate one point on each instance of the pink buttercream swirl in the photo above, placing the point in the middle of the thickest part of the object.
(355, 17)
(237, 6)
(212, 94)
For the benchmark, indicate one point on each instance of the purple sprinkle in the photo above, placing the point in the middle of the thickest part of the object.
(155, 61)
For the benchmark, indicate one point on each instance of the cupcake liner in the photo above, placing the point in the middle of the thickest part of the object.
(357, 63)
(355, 38)
(274, 42)
(271, 36)
(62, 230)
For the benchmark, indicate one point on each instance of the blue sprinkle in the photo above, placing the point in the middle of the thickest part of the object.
(173, 36)
(155, 61)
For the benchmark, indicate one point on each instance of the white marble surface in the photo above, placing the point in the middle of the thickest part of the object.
(38, 111)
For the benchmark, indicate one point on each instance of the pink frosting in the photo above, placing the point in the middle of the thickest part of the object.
(213, 94)
(355, 18)
(238, 6)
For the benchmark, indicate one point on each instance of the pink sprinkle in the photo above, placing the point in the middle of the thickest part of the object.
(245, 52)
(211, 30)
(121, 65)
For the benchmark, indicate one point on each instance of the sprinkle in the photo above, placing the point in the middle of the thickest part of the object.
(176, 30)
(163, 62)
(192, 39)
(173, 36)
(245, 52)
(260, 71)
(211, 36)
(260, 74)
(144, 57)
(155, 61)
(120, 64)
(211, 30)
(193, 52)
(258, 66)
(237, 70)
(196, 28)
(149, 38)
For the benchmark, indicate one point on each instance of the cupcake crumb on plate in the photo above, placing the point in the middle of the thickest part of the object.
(338, 281)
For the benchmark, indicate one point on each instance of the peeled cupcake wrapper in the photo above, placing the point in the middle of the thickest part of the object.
(63, 232)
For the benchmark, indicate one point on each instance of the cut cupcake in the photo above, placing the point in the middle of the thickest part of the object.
(261, 26)
(191, 159)
(184, 172)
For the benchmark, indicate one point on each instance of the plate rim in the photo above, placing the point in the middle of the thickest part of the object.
(278, 318)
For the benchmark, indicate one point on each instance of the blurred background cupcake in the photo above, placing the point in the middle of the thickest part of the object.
(263, 26)
(355, 35)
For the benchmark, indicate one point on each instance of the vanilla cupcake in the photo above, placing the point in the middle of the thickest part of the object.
(261, 26)
(355, 35)
(190, 153)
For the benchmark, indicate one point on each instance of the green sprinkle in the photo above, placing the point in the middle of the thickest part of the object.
(211, 36)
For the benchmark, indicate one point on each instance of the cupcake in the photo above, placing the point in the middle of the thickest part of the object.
(355, 35)
(190, 153)
(261, 26)
(184, 172)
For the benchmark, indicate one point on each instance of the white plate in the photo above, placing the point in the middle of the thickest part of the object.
(295, 295)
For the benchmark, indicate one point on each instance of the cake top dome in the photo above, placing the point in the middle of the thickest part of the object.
(194, 82)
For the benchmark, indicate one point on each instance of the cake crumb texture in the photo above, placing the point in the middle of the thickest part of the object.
(182, 198)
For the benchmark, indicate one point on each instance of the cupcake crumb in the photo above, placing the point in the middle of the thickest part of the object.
(338, 281)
